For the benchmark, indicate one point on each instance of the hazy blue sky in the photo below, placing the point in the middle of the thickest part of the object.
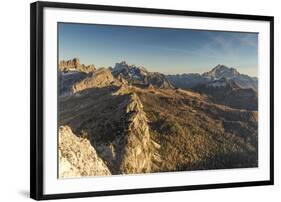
(168, 51)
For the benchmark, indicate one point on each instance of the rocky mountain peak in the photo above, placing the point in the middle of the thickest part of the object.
(76, 66)
(76, 62)
(139, 76)
(221, 71)
(123, 66)
(120, 65)
(220, 67)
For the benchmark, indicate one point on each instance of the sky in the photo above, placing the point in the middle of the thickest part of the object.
(165, 50)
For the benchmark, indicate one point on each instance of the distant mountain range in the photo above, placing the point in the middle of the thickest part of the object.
(223, 85)
(140, 76)
(186, 81)
(141, 122)
(227, 92)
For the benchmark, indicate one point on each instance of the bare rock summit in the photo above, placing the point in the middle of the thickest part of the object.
(75, 65)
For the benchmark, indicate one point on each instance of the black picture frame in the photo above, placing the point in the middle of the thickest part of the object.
(36, 98)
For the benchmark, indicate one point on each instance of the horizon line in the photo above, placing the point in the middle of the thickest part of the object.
(145, 66)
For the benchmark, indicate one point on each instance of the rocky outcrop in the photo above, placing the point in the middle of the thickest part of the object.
(77, 157)
(137, 153)
(100, 78)
(131, 149)
(116, 123)
(74, 65)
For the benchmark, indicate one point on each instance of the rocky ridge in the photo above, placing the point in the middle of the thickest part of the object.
(119, 130)
(100, 78)
(137, 152)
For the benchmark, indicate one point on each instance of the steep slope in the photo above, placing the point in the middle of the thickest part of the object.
(73, 82)
(77, 157)
(227, 92)
(195, 134)
(100, 78)
(116, 124)
(66, 80)
(137, 156)
(186, 81)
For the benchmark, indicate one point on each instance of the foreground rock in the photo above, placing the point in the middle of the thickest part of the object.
(113, 117)
(77, 157)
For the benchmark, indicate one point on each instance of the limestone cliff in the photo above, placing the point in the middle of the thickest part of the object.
(117, 127)
(74, 65)
(131, 149)
(77, 157)
(137, 153)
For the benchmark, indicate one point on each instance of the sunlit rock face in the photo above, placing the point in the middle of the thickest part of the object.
(74, 65)
(77, 157)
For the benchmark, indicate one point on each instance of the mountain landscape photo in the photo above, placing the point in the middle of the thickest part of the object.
(183, 111)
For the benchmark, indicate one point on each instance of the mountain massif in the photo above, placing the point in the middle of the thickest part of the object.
(127, 120)
(187, 81)
(139, 76)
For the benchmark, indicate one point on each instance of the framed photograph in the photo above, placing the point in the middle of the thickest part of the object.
(131, 100)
